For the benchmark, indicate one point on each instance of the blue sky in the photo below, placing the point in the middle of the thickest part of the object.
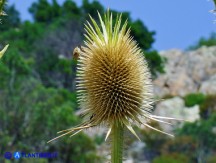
(178, 23)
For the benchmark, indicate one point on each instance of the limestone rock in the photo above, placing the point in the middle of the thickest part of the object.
(186, 72)
(136, 152)
(175, 108)
(209, 86)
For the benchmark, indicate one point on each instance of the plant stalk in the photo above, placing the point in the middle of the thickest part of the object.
(117, 143)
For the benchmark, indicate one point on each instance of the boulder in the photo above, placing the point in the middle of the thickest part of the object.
(175, 108)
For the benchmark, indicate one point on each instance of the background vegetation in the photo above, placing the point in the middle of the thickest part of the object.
(37, 88)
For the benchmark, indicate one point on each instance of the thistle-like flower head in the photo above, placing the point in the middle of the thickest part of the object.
(114, 83)
(113, 79)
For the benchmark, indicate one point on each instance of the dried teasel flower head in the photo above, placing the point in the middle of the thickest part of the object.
(114, 83)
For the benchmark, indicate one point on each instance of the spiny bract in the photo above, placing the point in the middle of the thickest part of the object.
(113, 79)
(2, 2)
(3, 51)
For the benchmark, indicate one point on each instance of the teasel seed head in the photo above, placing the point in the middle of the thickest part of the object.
(113, 80)
(113, 77)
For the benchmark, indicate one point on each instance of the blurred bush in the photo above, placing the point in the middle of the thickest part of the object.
(208, 107)
(210, 41)
(185, 145)
(211, 159)
(172, 158)
(203, 133)
(194, 99)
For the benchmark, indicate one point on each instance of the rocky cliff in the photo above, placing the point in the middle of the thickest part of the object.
(187, 72)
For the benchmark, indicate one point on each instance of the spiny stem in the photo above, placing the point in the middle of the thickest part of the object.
(117, 142)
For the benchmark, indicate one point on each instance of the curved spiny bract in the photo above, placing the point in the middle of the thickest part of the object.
(3, 51)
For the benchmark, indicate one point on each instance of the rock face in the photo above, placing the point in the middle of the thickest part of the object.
(136, 151)
(209, 86)
(175, 108)
(187, 72)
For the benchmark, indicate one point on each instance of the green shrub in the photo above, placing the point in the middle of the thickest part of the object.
(174, 158)
(181, 144)
(155, 62)
(210, 41)
(194, 99)
(211, 159)
(208, 107)
(201, 131)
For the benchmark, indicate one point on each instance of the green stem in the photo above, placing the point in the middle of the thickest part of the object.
(117, 142)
